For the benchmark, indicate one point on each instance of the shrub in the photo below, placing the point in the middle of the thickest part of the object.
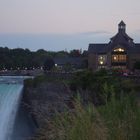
(117, 120)
(81, 124)
(49, 64)
(122, 118)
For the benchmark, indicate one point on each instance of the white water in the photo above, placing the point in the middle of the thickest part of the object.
(10, 95)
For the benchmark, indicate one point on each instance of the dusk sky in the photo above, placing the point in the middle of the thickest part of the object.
(65, 24)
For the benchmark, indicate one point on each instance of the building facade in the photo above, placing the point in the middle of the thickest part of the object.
(120, 52)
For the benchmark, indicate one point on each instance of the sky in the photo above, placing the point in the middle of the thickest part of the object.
(65, 24)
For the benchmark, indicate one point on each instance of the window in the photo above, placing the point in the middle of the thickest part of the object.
(118, 58)
(102, 59)
(119, 50)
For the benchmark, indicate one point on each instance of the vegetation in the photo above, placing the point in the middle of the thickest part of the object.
(117, 120)
(49, 64)
(115, 117)
(13, 59)
(137, 65)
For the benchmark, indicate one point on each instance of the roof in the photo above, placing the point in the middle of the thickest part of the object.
(135, 48)
(122, 23)
(97, 48)
(121, 37)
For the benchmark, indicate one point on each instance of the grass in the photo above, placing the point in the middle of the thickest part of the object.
(44, 79)
(122, 118)
(117, 120)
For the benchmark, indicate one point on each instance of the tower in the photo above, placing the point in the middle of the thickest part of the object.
(121, 27)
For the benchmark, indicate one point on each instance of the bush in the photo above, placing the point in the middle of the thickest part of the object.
(95, 84)
(122, 118)
(35, 81)
(137, 65)
(49, 64)
(82, 124)
(117, 120)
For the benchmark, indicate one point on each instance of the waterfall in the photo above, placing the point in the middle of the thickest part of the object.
(10, 95)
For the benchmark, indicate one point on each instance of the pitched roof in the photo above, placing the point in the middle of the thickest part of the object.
(122, 23)
(97, 48)
(121, 37)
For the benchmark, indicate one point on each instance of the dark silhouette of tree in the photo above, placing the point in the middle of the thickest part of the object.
(19, 58)
(137, 65)
(49, 64)
(75, 53)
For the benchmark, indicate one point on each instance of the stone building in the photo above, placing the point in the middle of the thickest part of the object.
(120, 52)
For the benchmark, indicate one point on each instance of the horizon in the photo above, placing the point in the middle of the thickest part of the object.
(65, 25)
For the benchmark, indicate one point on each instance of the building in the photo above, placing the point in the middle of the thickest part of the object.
(120, 52)
(74, 62)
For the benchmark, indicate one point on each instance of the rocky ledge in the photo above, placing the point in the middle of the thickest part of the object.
(47, 99)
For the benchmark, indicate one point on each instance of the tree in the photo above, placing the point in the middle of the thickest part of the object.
(137, 65)
(49, 64)
(75, 53)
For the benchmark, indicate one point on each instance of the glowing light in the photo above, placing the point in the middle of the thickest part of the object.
(119, 50)
(101, 62)
(101, 57)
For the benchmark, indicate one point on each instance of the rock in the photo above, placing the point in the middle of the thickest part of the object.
(46, 100)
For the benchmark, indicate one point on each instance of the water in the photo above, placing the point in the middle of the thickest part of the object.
(10, 97)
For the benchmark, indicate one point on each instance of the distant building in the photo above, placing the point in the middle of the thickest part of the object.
(75, 62)
(120, 52)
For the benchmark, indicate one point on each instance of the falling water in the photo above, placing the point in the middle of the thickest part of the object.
(10, 95)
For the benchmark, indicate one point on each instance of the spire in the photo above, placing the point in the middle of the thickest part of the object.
(121, 27)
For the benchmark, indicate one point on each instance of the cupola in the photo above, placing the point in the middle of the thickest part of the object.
(121, 27)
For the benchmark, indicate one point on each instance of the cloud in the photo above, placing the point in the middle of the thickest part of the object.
(98, 32)
(136, 31)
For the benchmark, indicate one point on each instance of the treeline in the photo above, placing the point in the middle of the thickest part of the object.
(13, 59)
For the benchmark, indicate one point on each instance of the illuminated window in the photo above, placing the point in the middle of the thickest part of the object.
(115, 58)
(102, 59)
(101, 62)
(118, 58)
(119, 50)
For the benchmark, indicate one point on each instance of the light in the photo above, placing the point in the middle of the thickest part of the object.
(119, 50)
(101, 62)
(101, 57)
(115, 58)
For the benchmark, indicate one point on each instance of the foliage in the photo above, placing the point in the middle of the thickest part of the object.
(137, 65)
(122, 118)
(35, 81)
(75, 53)
(82, 124)
(117, 120)
(67, 67)
(95, 84)
(18, 58)
(49, 64)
